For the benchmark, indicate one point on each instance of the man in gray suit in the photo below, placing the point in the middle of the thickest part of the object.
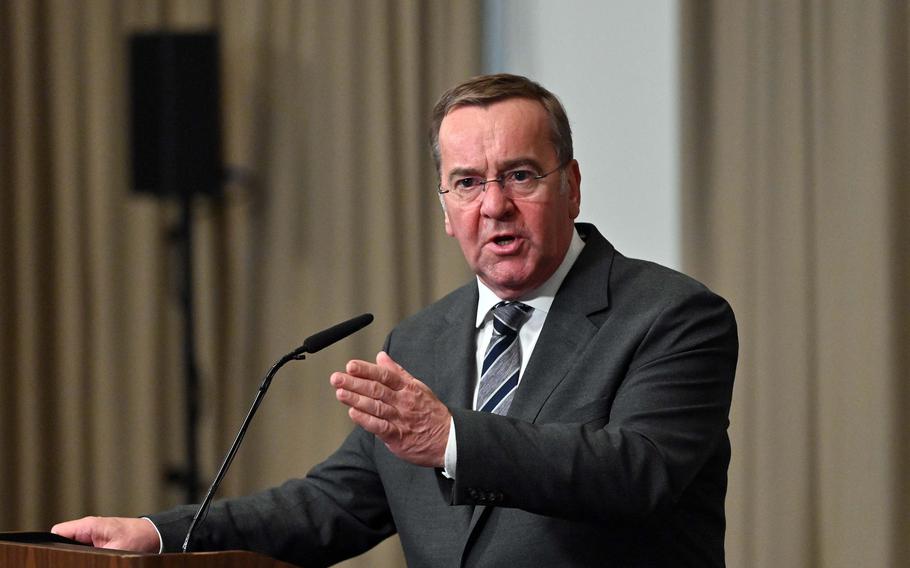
(569, 407)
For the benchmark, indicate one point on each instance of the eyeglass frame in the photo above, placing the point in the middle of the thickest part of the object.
(500, 180)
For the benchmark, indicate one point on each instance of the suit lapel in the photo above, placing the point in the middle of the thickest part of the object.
(569, 326)
(455, 338)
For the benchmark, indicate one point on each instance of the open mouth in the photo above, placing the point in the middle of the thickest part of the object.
(502, 241)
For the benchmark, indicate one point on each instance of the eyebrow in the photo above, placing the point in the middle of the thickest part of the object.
(519, 162)
(459, 172)
(506, 166)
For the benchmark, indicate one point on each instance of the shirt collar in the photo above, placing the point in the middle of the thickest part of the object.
(540, 298)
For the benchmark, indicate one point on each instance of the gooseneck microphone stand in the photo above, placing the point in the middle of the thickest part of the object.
(260, 394)
(311, 345)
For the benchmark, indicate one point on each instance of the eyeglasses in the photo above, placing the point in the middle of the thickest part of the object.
(517, 184)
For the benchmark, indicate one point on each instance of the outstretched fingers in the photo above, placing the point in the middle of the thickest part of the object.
(366, 403)
(390, 375)
(387, 401)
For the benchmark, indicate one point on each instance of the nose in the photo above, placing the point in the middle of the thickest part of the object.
(495, 204)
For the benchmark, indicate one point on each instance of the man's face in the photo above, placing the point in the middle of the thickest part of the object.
(513, 245)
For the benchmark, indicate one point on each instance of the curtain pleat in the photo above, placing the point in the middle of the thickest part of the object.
(329, 210)
(795, 161)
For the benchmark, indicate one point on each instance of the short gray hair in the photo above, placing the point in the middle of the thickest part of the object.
(487, 89)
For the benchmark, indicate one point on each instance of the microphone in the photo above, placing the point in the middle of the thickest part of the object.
(326, 337)
(311, 345)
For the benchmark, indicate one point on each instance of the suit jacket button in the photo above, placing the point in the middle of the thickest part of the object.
(473, 493)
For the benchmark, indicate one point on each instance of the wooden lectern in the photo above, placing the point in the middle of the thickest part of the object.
(44, 550)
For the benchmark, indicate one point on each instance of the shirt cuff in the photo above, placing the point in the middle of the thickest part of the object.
(451, 456)
(160, 540)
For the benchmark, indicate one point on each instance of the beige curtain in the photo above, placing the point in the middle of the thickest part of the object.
(330, 212)
(796, 153)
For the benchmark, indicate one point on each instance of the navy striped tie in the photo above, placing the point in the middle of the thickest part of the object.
(502, 361)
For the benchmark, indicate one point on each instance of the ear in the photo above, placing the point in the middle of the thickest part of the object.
(573, 173)
(445, 214)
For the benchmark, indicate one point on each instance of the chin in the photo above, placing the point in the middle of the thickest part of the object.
(509, 276)
(508, 289)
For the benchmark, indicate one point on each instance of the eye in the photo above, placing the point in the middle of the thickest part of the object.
(521, 176)
(468, 183)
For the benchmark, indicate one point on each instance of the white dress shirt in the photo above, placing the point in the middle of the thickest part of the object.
(540, 299)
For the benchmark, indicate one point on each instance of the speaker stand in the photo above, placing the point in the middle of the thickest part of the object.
(187, 477)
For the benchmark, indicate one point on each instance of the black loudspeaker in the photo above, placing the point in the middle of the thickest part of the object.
(175, 113)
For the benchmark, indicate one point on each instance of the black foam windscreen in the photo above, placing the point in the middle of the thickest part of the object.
(175, 113)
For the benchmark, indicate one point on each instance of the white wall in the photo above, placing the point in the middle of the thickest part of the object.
(613, 63)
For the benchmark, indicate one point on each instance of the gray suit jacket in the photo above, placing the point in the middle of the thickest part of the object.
(614, 452)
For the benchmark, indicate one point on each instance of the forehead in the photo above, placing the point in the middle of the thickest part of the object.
(475, 136)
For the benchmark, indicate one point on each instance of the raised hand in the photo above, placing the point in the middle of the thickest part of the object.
(387, 401)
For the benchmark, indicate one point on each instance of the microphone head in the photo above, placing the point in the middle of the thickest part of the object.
(326, 337)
